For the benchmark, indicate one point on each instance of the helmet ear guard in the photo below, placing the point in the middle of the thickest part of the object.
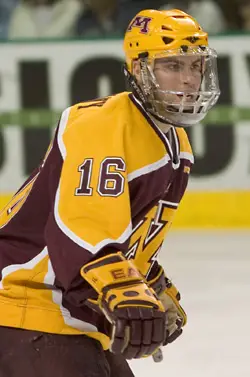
(133, 84)
(141, 91)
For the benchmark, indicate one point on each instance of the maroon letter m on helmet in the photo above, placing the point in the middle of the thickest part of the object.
(142, 23)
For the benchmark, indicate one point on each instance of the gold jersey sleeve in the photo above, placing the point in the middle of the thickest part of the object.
(93, 204)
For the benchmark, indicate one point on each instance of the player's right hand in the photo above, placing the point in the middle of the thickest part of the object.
(137, 316)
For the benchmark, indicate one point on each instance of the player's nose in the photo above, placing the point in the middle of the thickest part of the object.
(189, 80)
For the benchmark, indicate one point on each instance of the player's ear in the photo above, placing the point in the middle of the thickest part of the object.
(136, 69)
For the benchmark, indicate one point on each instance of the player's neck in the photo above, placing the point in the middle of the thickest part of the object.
(164, 127)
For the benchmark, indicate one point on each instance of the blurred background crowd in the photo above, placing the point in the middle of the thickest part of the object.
(43, 19)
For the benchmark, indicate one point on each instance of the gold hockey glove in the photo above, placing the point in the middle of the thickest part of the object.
(176, 317)
(137, 316)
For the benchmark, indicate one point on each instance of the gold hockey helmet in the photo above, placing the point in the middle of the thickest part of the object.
(172, 41)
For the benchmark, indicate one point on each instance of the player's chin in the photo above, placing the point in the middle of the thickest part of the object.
(176, 109)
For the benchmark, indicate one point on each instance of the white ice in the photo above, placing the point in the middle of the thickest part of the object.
(212, 272)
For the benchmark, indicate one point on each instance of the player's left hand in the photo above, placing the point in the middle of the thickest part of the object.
(170, 297)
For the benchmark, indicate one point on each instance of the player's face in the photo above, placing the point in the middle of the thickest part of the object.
(178, 74)
(178, 82)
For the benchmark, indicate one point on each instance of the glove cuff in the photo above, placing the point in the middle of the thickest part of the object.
(110, 271)
(158, 283)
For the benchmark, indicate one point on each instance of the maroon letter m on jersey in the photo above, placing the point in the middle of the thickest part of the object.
(142, 23)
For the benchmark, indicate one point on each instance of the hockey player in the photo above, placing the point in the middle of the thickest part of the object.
(81, 290)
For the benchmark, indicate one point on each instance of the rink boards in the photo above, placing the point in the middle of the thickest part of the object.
(228, 209)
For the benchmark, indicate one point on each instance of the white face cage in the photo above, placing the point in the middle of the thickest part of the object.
(180, 86)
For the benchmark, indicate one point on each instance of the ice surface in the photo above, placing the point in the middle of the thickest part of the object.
(212, 272)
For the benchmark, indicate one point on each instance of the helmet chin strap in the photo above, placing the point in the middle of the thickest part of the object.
(161, 120)
(167, 121)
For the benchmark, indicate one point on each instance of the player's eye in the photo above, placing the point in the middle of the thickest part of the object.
(196, 67)
(172, 66)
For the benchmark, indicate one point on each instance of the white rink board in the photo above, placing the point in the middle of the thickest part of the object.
(212, 272)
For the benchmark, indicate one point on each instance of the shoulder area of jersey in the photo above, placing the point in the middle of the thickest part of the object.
(109, 106)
